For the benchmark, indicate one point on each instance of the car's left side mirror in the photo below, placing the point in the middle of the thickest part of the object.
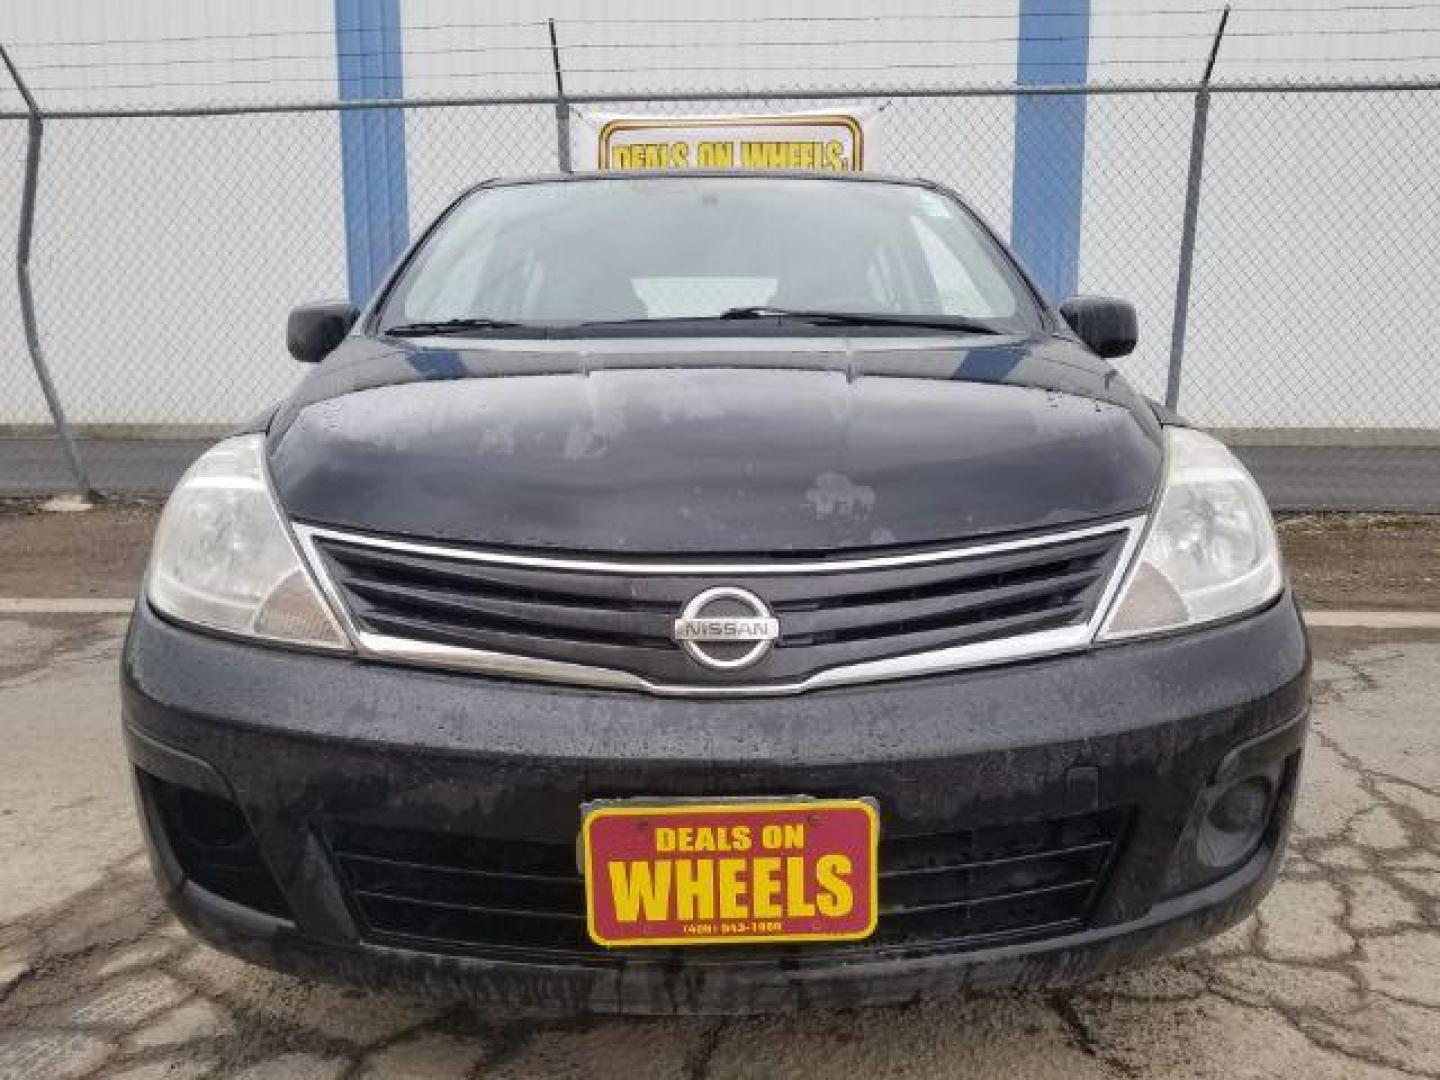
(314, 330)
(1107, 325)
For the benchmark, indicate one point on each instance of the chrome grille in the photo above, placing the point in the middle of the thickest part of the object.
(567, 617)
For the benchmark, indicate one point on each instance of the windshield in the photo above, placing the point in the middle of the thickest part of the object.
(662, 248)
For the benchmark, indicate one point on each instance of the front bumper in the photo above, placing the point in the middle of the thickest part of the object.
(1149, 730)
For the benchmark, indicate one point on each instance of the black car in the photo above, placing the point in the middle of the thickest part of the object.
(713, 593)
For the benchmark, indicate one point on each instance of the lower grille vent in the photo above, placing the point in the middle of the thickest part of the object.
(972, 886)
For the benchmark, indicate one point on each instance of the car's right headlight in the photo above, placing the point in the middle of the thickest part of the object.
(1210, 551)
(224, 560)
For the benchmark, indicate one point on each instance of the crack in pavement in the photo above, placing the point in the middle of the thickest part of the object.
(698, 1067)
(1085, 1040)
(30, 649)
(1295, 1018)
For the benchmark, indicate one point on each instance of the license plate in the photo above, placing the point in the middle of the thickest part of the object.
(695, 873)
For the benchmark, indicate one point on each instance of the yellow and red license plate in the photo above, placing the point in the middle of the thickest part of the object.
(688, 873)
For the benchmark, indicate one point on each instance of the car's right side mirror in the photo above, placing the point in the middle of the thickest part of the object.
(314, 330)
(1107, 325)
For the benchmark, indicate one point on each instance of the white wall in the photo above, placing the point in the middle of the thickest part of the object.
(1319, 223)
(169, 250)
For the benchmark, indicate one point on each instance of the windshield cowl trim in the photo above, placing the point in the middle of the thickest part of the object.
(801, 339)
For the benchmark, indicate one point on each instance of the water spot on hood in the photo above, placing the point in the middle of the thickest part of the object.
(836, 494)
(679, 396)
(497, 436)
(590, 436)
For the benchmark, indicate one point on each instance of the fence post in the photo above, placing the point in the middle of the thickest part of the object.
(36, 131)
(1192, 214)
(562, 107)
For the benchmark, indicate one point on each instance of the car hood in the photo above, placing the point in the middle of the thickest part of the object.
(713, 446)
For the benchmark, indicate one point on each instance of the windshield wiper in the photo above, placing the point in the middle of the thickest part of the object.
(758, 311)
(451, 326)
(862, 318)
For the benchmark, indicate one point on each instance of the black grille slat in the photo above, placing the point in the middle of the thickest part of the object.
(952, 577)
(874, 617)
(558, 586)
(491, 911)
(450, 885)
(529, 877)
(574, 650)
(622, 619)
(499, 929)
(893, 873)
(548, 619)
(915, 635)
(984, 846)
(453, 850)
(999, 878)
(966, 887)
(1018, 896)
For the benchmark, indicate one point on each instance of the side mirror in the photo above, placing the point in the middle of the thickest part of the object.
(313, 330)
(1108, 326)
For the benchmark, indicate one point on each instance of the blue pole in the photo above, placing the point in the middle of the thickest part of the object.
(369, 65)
(1048, 185)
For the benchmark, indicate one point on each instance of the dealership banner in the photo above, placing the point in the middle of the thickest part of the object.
(840, 139)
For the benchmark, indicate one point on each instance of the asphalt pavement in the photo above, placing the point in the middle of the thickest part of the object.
(1294, 477)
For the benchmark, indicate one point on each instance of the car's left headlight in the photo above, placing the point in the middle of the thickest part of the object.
(1210, 552)
(224, 559)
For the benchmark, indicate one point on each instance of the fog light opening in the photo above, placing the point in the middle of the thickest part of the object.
(1235, 823)
(211, 822)
(1243, 807)
(213, 844)
(1231, 820)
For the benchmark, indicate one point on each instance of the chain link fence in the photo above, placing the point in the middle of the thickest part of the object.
(169, 246)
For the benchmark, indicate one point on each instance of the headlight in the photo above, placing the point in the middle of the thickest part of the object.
(1211, 550)
(223, 557)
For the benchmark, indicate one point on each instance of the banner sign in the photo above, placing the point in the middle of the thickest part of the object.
(832, 140)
